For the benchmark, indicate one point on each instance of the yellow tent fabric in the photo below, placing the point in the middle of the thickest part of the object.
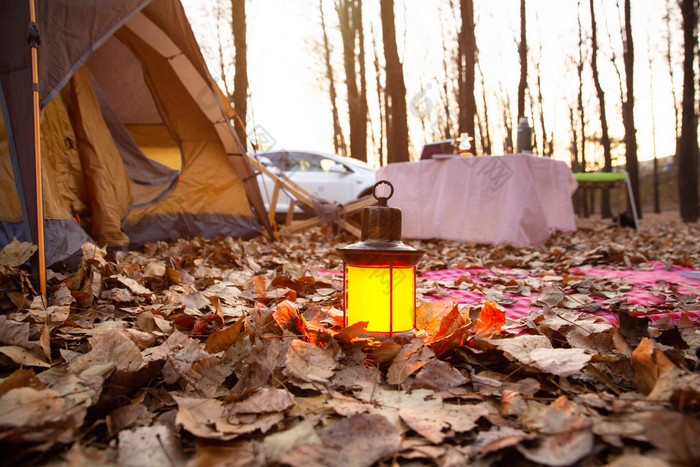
(136, 145)
(105, 177)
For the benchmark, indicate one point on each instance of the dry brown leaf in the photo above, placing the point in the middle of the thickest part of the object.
(567, 435)
(352, 332)
(520, 348)
(22, 356)
(150, 446)
(29, 407)
(111, 349)
(560, 362)
(19, 379)
(218, 341)
(675, 434)
(198, 416)
(432, 418)
(438, 376)
(360, 440)
(649, 364)
(266, 400)
(411, 358)
(278, 444)
(309, 363)
(16, 253)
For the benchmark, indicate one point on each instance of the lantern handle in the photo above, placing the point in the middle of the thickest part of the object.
(382, 199)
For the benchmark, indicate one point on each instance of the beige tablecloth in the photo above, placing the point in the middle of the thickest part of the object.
(514, 199)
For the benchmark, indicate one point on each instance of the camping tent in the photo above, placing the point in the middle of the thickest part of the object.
(135, 143)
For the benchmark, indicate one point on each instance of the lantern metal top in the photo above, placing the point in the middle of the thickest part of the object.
(380, 242)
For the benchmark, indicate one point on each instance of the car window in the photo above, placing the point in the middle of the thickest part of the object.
(279, 159)
(305, 162)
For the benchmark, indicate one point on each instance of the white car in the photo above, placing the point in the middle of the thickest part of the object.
(328, 176)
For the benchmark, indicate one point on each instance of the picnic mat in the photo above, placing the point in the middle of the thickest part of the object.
(655, 293)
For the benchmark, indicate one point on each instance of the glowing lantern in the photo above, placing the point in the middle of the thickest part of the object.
(380, 273)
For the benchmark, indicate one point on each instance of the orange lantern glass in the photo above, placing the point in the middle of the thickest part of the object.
(379, 273)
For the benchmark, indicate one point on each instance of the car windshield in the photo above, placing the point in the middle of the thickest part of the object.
(307, 162)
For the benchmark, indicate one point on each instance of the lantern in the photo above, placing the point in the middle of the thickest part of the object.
(379, 273)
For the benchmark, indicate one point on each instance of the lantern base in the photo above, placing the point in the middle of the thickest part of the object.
(394, 337)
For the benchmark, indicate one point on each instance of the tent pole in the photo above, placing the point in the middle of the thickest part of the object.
(34, 43)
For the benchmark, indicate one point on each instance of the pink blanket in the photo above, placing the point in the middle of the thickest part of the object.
(649, 290)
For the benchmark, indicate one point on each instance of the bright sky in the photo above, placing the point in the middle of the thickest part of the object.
(290, 101)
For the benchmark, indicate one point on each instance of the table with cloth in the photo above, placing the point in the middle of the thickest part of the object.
(514, 199)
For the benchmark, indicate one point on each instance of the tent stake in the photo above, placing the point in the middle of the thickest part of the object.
(34, 43)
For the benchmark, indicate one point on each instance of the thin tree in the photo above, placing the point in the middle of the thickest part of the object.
(350, 20)
(657, 202)
(540, 104)
(396, 121)
(381, 98)
(687, 151)
(670, 4)
(605, 210)
(582, 166)
(338, 138)
(522, 52)
(220, 48)
(484, 132)
(240, 79)
(466, 61)
(507, 115)
(632, 164)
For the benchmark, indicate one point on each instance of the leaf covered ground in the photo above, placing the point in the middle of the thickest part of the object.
(227, 352)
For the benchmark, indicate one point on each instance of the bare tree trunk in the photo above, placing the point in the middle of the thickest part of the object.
(381, 99)
(632, 164)
(669, 62)
(360, 38)
(396, 122)
(687, 152)
(338, 138)
(657, 202)
(240, 79)
(485, 133)
(354, 65)
(522, 52)
(531, 98)
(507, 121)
(540, 103)
(575, 165)
(605, 210)
(222, 62)
(466, 61)
(581, 109)
(447, 129)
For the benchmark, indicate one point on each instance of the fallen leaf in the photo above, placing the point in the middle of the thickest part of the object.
(19, 379)
(22, 356)
(150, 446)
(218, 341)
(110, 349)
(560, 362)
(278, 444)
(411, 358)
(309, 363)
(352, 332)
(438, 376)
(265, 400)
(567, 436)
(434, 417)
(16, 253)
(520, 347)
(649, 364)
(490, 320)
(675, 434)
